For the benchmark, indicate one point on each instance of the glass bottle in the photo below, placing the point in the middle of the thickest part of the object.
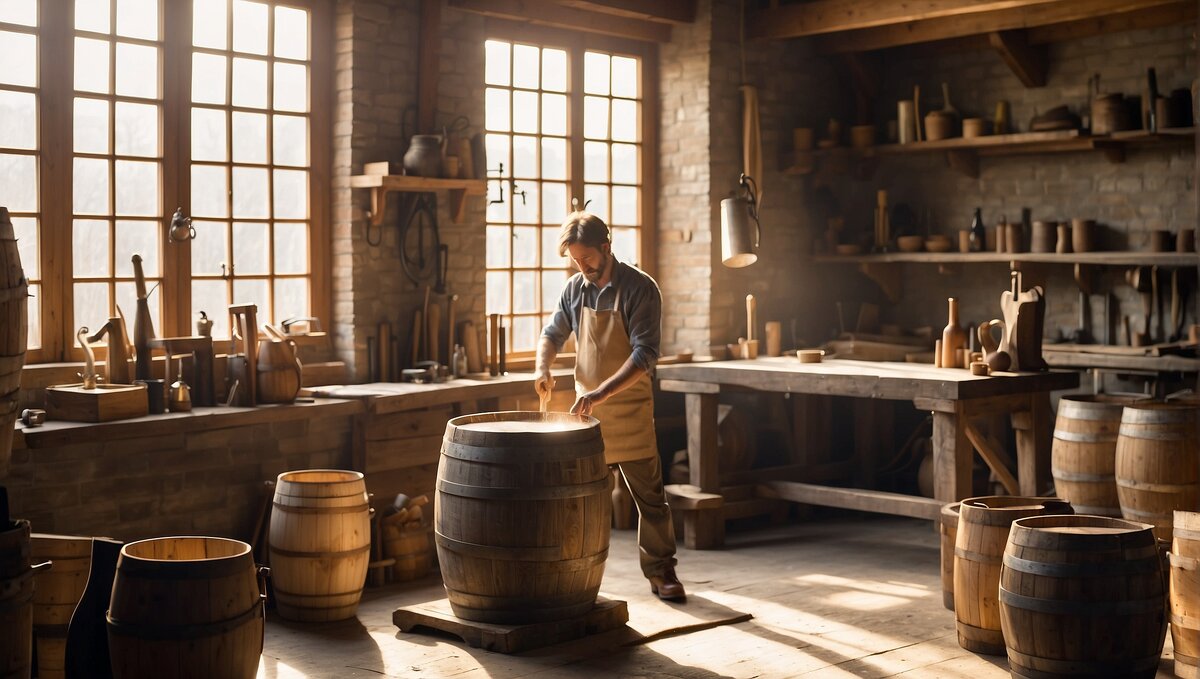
(978, 232)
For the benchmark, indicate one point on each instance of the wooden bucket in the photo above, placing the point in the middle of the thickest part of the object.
(1084, 452)
(186, 607)
(522, 516)
(983, 524)
(412, 550)
(1082, 596)
(14, 320)
(948, 529)
(320, 544)
(16, 601)
(1158, 464)
(1185, 594)
(57, 592)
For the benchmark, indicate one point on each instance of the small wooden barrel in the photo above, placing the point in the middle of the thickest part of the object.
(1185, 594)
(1082, 596)
(948, 529)
(186, 607)
(57, 591)
(983, 524)
(1158, 464)
(522, 516)
(14, 320)
(1084, 452)
(16, 600)
(412, 550)
(320, 544)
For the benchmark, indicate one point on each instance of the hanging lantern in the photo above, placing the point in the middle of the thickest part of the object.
(740, 227)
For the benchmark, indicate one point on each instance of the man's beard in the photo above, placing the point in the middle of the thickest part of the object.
(593, 275)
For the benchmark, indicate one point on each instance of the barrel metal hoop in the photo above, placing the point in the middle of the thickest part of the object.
(1088, 608)
(1128, 566)
(352, 509)
(317, 555)
(1155, 487)
(1131, 432)
(1062, 475)
(310, 595)
(160, 631)
(522, 455)
(504, 553)
(1110, 512)
(976, 556)
(1076, 437)
(527, 493)
(1050, 667)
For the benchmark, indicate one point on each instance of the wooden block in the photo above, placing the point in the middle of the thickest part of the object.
(687, 497)
(436, 616)
(105, 403)
(383, 167)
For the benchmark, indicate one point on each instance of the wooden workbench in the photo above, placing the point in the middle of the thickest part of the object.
(955, 397)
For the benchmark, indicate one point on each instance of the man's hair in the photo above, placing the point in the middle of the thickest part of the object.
(584, 228)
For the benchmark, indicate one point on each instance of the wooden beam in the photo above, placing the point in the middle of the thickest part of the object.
(992, 456)
(833, 16)
(1027, 62)
(1153, 17)
(547, 13)
(669, 11)
(929, 30)
(852, 498)
(428, 54)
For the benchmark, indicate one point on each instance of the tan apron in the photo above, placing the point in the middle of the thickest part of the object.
(627, 418)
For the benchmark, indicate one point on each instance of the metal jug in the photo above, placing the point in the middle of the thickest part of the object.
(739, 239)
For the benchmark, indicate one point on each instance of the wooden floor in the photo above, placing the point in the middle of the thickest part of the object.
(835, 597)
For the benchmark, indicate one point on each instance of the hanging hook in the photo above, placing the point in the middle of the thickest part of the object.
(747, 182)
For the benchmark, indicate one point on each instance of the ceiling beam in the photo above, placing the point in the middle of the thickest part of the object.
(1027, 62)
(668, 11)
(980, 24)
(1183, 11)
(833, 16)
(547, 13)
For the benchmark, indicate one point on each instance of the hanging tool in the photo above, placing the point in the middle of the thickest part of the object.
(1085, 279)
(1139, 278)
(420, 244)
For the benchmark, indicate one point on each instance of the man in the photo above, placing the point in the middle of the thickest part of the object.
(615, 312)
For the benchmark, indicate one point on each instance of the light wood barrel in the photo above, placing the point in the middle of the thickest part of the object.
(1082, 596)
(186, 607)
(1185, 594)
(320, 544)
(1083, 456)
(57, 592)
(983, 524)
(1158, 464)
(412, 550)
(16, 601)
(14, 321)
(948, 529)
(522, 516)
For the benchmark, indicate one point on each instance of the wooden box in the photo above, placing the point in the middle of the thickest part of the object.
(105, 403)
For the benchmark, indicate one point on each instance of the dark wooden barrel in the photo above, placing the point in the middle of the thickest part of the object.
(1084, 452)
(948, 530)
(58, 590)
(983, 524)
(522, 515)
(1158, 463)
(16, 600)
(186, 607)
(1082, 596)
(1185, 594)
(14, 320)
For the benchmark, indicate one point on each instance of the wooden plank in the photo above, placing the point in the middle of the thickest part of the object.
(1026, 61)
(408, 424)
(683, 387)
(429, 43)
(1034, 430)
(811, 428)
(951, 458)
(993, 458)
(1153, 17)
(686, 497)
(833, 16)
(703, 530)
(391, 182)
(853, 498)
(381, 456)
(670, 11)
(412, 481)
(544, 13)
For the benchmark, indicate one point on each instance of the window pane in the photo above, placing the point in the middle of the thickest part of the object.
(137, 129)
(250, 253)
(554, 158)
(18, 59)
(291, 87)
(250, 191)
(137, 188)
(525, 66)
(525, 298)
(595, 161)
(26, 231)
(34, 337)
(554, 203)
(624, 120)
(291, 33)
(525, 332)
(22, 12)
(18, 120)
(209, 141)
(596, 198)
(595, 117)
(524, 162)
(595, 73)
(208, 23)
(210, 297)
(249, 83)
(18, 183)
(137, 70)
(498, 243)
(291, 248)
(496, 110)
(625, 245)
(290, 145)
(496, 64)
(91, 126)
(625, 205)
(554, 70)
(550, 256)
(552, 285)
(249, 27)
(90, 186)
(209, 191)
(253, 291)
(624, 77)
(625, 164)
(137, 19)
(525, 246)
(209, 248)
(291, 298)
(525, 208)
(554, 114)
(497, 211)
(525, 114)
(291, 194)
(139, 237)
(127, 300)
(91, 65)
(91, 307)
(208, 79)
(497, 292)
(89, 249)
(93, 15)
(249, 138)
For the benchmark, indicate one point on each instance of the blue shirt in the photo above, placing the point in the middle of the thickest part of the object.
(641, 310)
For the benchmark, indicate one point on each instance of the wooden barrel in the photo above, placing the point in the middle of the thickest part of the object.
(14, 320)
(57, 591)
(1185, 594)
(320, 544)
(1083, 456)
(1082, 596)
(948, 529)
(186, 607)
(412, 550)
(521, 520)
(1158, 463)
(16, 601)
(983, 524)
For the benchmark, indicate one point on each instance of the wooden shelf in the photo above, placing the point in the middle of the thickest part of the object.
(381, 185)
(1101, 258)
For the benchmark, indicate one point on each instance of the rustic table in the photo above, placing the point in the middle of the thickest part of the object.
(955, 397)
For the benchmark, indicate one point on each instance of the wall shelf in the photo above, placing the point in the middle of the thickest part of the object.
(381, 185)
(1098, 258)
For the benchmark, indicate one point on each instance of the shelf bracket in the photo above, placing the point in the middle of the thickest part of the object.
(379, 203)
(964, 161)
(887, 277)
(1027, 62)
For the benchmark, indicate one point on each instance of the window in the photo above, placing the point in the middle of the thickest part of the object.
(131, 108)
(566, 121)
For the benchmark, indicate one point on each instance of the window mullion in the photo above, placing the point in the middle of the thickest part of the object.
(176, 157)
(575, 120)
(55, 84)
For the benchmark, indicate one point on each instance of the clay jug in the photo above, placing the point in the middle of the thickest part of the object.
(279, 368)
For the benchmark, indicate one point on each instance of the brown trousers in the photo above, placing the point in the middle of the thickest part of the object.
(656, 532)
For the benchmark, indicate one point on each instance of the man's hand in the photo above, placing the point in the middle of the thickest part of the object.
(544, 385)
(585, 404)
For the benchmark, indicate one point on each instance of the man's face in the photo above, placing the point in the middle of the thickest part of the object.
(589, 260)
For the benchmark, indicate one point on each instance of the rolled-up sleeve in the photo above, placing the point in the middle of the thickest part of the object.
(559, 328)
(645, 326)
